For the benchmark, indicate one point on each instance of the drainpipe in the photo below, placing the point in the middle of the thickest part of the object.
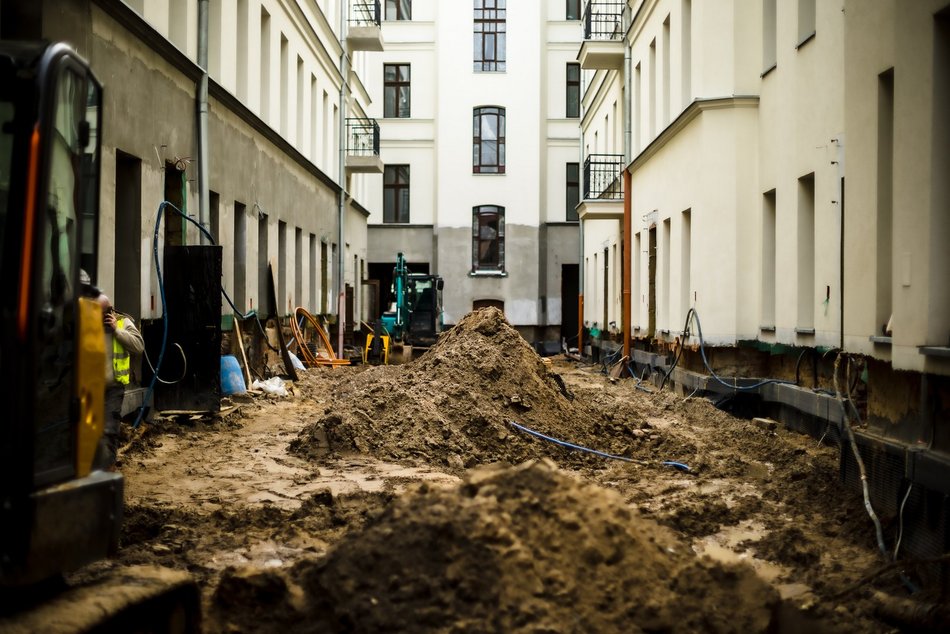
(204, 213)
(581, 273)
(626, 273)
(341, 172)
(839, 142)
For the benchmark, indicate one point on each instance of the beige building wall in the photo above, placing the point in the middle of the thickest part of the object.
(897, 222)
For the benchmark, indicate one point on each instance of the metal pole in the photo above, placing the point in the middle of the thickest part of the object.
(204, 203)
(627, 272)
(341, 171)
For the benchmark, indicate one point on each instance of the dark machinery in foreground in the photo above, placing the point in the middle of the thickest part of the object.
(414, 321)
(56, 513)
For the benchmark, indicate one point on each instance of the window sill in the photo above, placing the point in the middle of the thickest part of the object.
(767, 328)
(805, 331)
(768, 70)
(877, 339)
(808, 38)
(935, 351)
(488, 274)
(488, 173)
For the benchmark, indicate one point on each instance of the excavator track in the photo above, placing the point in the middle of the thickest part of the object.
(135, 599)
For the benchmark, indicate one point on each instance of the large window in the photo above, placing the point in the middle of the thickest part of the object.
(398, 9)
(396, 194)
(488, 141)
(573, 11)
(488, 238)
(489, 36)
(573, 190)
(573, 90)
(396, 91)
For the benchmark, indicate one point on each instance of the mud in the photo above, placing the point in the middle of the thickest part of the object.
(401, 499)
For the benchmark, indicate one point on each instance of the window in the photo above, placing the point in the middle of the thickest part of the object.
(768, 35)
(489, 36)
(488, 141)
(396, 91)
(573, 190)
(806, 20)
(396, 194)
(488, 238)
(398, 9)
(573, 90)
(573, 11)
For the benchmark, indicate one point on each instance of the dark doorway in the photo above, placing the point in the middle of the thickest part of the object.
(126, 295)
(488, 303)
(383, 273)
(569, 292)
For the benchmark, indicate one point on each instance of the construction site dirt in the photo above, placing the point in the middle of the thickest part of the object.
(416, 498)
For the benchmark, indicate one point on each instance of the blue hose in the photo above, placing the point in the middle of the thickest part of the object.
(562, 443)
(161, 290)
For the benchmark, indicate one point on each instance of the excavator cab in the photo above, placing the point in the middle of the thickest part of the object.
(56, 514)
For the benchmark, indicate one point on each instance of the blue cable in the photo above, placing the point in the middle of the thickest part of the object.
(562, 443)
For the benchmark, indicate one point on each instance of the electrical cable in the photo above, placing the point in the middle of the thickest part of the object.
(568, 445)
(900, 520)
(184, 371)
(846, 423)
(692, 314)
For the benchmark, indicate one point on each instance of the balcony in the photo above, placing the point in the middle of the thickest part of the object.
(363, 31)
(362, 146)
(603, 188)
(603, 35)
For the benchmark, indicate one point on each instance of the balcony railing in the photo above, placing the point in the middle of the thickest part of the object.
(603, 20)
(362, 137)
(364, 13)
(602, 177)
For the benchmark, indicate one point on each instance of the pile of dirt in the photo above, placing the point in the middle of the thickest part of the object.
(523, 549)
(453, 406)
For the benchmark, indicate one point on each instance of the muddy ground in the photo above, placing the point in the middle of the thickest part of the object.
(404, 499)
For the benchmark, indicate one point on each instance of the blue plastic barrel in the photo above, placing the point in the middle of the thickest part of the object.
(232, 379)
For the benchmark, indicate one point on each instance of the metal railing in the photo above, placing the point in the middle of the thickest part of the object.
(362, 137)
(365, 13)
(602, 177)
(603, 20)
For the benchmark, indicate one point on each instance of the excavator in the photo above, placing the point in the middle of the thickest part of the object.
(413, 323)
(58, 514)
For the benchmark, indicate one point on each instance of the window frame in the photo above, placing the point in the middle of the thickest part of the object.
(397, 86)
(478, 141)
(395, 214)
(576, 6)
(495, 24)
(569, 184)
(397, 6)
(481, 217)
(575, 85)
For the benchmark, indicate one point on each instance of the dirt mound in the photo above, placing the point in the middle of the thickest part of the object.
(524, 549)
(453, 405)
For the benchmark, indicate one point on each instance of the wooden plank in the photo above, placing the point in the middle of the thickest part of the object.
(240, 338)
(272, 291)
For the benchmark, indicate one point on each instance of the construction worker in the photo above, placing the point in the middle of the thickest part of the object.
(123, 339)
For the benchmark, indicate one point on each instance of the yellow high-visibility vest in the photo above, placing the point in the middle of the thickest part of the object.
(120, 357)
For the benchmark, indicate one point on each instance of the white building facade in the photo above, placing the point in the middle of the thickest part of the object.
(480, 144)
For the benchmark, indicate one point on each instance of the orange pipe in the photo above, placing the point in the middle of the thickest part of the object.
(626, 273)
(26, 264)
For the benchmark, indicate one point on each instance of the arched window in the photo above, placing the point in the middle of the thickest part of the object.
(488, 238)
(488, 140)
